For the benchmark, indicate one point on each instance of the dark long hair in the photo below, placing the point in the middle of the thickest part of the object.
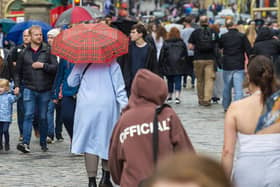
(161, 32)
(261, 73)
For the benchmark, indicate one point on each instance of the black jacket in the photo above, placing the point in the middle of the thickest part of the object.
(4, 67)
(269, 48)
(266, 45)
(125, 64)
(173, 57)
(12, 57)
(39, 80)
(234, 45)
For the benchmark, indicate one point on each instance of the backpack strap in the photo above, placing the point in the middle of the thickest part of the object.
(155, 138)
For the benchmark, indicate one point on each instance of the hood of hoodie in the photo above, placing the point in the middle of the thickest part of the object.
(264, 34)
(147, 87)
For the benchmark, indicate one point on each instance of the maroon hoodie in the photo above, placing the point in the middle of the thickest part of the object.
(131, 149)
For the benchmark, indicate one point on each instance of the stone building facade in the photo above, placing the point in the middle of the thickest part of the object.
(11, 9)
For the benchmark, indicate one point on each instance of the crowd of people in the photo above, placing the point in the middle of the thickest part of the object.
(118, 111)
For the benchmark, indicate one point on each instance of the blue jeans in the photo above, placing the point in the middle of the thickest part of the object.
(232, 79)
(174, 80)
(30, 100)
(4, 130)
(50, 119)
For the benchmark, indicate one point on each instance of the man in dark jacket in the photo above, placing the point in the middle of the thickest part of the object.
(36, 69)
(140, 55)
(11, 68)
(234, 45)
(204, 40)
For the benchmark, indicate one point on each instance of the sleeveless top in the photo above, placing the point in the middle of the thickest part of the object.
(255, 143)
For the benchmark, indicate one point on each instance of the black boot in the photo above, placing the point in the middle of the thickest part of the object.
(7, 147)
(91, 182)
(105, 180)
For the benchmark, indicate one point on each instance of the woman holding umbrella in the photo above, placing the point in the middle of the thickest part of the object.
(101, 95)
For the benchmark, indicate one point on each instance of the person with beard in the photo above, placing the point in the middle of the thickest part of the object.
(36, 69)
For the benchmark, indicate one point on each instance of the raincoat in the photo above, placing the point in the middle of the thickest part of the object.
(100, 99)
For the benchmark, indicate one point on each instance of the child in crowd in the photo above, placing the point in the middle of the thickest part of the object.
(6, 103)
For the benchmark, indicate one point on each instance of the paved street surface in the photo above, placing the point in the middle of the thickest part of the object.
(58, 168)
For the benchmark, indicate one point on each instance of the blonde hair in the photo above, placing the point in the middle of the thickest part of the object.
(251, 34)
(4, 83)
(34, 27)
(184, 167)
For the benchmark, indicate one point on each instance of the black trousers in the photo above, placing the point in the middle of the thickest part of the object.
(68, 105)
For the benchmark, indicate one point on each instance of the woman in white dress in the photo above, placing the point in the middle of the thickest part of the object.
(258, 160)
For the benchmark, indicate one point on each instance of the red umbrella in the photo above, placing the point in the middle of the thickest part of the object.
(78, 14)
(90, 43)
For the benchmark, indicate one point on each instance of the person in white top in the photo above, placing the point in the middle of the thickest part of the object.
(159, 36)
(258, 160)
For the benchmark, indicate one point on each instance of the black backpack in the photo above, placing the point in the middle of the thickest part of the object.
(206, 40)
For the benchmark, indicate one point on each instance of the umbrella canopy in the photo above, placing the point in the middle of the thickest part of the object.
(124, 25)
(7, 24)
(15, 33)
(90, 43)
(77, 15)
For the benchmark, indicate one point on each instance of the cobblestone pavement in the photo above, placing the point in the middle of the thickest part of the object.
(58, 168)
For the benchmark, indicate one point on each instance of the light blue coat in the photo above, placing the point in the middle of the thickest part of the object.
(100, 99)
(6, 106)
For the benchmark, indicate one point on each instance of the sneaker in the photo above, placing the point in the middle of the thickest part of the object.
(23, 148)
(7, 147)
(206, 103)
(59, 138)
(169, 100)
(215, 100)
(44, 148)
(177, 101)
(50, 140)
(20, 139)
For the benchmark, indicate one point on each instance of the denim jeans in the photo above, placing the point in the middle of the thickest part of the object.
(50, 119)
(174, 80)
(40, 100)
(232, 79)
(4, 130)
